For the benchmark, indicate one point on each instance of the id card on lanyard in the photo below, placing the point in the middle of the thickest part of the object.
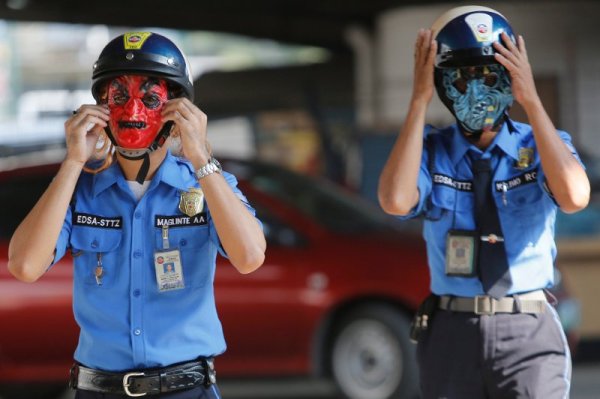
(167, 266)
(461, 253)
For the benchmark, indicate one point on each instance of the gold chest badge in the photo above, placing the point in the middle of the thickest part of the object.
(525, 158)
(191, 202)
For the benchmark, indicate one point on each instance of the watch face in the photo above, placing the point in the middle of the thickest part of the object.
(217, 164)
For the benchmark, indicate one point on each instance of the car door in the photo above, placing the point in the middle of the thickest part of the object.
(266, 320)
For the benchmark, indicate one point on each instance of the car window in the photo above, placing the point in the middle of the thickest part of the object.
(322, 201)
(277, 232)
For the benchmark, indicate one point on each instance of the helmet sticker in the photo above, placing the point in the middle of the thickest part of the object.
(481, 24)
(135, 40)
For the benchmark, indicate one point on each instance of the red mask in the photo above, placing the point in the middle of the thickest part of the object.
(135, 104)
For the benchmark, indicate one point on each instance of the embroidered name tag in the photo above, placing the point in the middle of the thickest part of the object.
(85, 219)
(462, 185)
(180, 221)
(525, 178)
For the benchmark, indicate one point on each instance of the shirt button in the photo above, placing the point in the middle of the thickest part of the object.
(136, 293)
(137, 253)
(183, 242)
(137, 331)
(95, 244)
(137, 214)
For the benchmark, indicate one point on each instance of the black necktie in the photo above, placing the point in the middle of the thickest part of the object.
(492, 263)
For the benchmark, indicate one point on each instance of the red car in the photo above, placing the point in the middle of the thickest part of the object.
(334, 297)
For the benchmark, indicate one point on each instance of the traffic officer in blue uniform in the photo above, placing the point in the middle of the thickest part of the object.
(488, 188)
(144, 228)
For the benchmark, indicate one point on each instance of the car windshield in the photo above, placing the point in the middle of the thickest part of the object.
(324, 202)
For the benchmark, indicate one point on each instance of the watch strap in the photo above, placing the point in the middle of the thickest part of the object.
(212, 166)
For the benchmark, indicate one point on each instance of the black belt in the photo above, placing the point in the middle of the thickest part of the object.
(145, 382)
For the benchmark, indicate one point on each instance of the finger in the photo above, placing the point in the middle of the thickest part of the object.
(432, 52)
(175, 131)
(83, 112)
(93, 134)
(522, 48)
(509, 65)
(89, 122)
(197, 112)
(171, 106)
(187, 106)
(96, 130)
(425, 45)
(89, 107)
(505, 52)
(184, 115)
(182, 123)
(509, 43)
(179, 115)
(186, 111)
(84, 125)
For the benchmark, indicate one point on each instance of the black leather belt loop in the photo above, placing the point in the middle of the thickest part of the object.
(136, 383)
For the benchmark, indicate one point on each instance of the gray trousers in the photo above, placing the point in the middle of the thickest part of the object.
(503, 356)
(196, 393)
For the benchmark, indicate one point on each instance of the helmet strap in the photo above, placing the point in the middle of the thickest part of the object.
(144, 154)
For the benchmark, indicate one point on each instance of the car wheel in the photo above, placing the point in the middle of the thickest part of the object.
(372, 356)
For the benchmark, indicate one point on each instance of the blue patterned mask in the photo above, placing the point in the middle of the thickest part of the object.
(479, 95)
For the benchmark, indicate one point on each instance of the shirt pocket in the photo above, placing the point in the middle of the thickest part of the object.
(194, 248)
(455, 207)
(90, 245)
(523, 213)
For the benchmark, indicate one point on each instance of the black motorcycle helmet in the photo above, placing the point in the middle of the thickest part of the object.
(143, 53)
(149, 54)
(465, 36)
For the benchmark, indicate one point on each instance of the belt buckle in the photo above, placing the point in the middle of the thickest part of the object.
(211, 373)
(127, 384)
(480, 299)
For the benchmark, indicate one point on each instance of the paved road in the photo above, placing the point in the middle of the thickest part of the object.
(586, 385)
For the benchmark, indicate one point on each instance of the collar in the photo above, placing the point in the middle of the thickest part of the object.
(168, 172)
(507, 139)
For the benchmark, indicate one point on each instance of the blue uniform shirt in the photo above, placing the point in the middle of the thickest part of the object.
(526, 208)
(126, 323)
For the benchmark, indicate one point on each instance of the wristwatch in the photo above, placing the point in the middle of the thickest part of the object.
(213, 166)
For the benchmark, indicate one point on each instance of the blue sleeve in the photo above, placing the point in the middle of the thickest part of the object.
(62, 244)
(566, 138)
(232, 181)
(423, 183)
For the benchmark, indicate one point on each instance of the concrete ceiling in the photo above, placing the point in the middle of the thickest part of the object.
(321, 23)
